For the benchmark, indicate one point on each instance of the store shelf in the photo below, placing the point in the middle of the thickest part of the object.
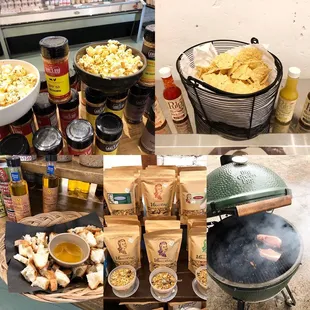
(70, 170)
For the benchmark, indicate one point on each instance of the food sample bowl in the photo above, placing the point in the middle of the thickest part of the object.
(71, 238)
(201, 287)
(14, 111)
(163, 293)
(124, 289)
(109, 85)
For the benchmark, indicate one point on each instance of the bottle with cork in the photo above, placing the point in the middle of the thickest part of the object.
(174, 98)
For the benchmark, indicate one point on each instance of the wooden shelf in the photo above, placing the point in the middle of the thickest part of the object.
(70, 170)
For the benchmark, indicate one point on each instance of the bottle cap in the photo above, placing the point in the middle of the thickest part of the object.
(51, 157)
(13, 161)
(109, 127)
(47, 140)
(54, 47)
(149, 34)
(80, 134)
(14, 144)
(294, 72)
(165, 72)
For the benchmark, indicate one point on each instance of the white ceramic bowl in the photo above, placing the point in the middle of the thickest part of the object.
(13, 112)
(167, 292)
(202, 289)
(126, 289)
(72, 238)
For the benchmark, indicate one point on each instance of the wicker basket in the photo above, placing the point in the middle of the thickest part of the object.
(68, 295)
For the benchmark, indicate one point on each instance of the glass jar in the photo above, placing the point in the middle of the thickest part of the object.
(116, 104)
(48, 141)
(95, 103)
(147, 140)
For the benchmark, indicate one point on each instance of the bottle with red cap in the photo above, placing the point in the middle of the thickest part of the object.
(174, 98)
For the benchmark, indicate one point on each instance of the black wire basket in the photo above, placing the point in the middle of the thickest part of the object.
(236, 117)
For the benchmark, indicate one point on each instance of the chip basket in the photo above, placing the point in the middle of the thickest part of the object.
(70, 295)
(236, 117)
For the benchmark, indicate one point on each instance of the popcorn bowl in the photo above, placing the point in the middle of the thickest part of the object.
(123, 289)
(163, 293)
(14, 111)
(200, 286)
(109, 85)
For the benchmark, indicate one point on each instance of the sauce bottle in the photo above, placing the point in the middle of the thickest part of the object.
(304, 121)
(161, 125)
(288, 97)
(174, 98)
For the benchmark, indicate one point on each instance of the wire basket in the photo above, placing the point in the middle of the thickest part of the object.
(68, 295)
(236, 117)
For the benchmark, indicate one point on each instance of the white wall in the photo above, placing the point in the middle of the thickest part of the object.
(284, 24)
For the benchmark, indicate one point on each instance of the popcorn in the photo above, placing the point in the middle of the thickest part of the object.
(111, 60)
(15, 84)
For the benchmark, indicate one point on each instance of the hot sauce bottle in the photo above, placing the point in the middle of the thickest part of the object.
(174, 98)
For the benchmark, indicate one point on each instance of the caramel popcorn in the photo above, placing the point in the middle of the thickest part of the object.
(111, 60)
(122, 277)
(15, 84)
(163, 281)
(202, 277)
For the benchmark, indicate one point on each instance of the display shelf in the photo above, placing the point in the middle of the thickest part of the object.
(69, 170)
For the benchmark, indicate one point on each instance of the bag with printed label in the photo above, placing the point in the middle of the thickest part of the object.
(123, 244)
(158, 189)
(192, 194)
(195, 221)
(151, 226)
(163, 248)
(185, 305)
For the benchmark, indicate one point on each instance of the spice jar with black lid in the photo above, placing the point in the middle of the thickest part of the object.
(147, 140)
(25, 126)
(95, 103)
(48, 141)
(80, 137)
(136, 103)
(115, 104)
(55, 54)
(148, 49)
(15, 144)
(149, 102)
(45, 111)
(43, 83)
(109, 129)
(69, 111)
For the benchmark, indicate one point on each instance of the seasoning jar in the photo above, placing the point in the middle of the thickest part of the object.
(45, 111)
(74, 81)
(25, 126)
(136, 103)
(147, 140)
(55, 54)
(116, 104)
(43, 83)
(149, 102)
(148, 49)
(83, 88)
(15, 144)
(47, 141)
(69, 111)
(4, 131)
(95, 103)
(80, 137)
(109, 128)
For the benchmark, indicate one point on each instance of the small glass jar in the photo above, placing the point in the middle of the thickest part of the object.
(116, 104)
(95, 103)
(69, 111)
(48, 141)
(147, 140)
(45, 111)
(80, 137)
(109, 129)
(55, 55)
(43, 83)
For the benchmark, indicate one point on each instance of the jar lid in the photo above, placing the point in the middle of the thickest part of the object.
(43, 83)
(294, 72)
(43, 106)
(47, 140)
(14, 144)
(165, 72)
(149, 33)
(73, 103)
(140, 90)
(109, 127)
(54, 47)
(24, 119)
(94, 96)
(80, 134)
(13, 161)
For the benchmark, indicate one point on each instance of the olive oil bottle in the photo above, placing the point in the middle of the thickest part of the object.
(50, 185)
(18, 189)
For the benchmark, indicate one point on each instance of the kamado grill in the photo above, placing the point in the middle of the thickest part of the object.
(246, 191)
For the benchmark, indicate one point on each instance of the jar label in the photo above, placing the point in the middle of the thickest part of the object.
(177, 109)
(21, 206)
(305, 118)
(4, 132)
(48, 120)
(106, 149)
(4, 174)
(15, 176)
(50, 198)
(27, 129)
(50, 169)
(285, 110)
(86, 151)
(93, 112)
(148, 139)
(4, 188)
(148, 76)
(67, 116)
(159, 116)
(184, 127)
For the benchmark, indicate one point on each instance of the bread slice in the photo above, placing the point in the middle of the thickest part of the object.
(21, 259)
(93, 228)
(62, 278)
(41, 282)
(50, 275)
(26, 251)
(99, 267)
(96, 255)
(42, 238)
(94, 280)
(41, 260)
(91, 269)
(88, 237)
(79, 271)
(29, 273)
(34, 244)
(99, 239)
(76, 230)
(22, 242)
(52, 236)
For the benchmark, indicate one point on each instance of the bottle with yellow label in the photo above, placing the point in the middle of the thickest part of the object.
(50, 185)
(288, 97)
(18, 189)
(95, 103)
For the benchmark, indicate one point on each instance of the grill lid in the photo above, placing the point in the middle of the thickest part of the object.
(243, 188)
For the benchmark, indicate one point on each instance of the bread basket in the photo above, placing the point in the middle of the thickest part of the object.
(69, 295)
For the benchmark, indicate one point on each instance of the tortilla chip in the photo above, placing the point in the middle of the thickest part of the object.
(224, 61)
(250, 53)
(242, 73)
